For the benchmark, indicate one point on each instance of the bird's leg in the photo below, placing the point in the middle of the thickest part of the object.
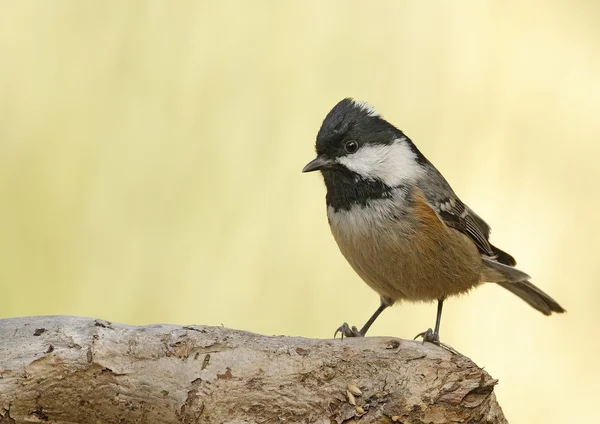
(347, 331)
(434, 336)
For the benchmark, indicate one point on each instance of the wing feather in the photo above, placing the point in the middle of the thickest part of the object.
(455, 214)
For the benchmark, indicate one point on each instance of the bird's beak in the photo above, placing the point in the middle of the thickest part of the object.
(317, 164)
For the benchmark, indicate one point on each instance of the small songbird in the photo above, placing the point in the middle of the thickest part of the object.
(398, 222)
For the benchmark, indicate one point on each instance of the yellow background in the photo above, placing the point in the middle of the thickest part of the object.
(150, 157)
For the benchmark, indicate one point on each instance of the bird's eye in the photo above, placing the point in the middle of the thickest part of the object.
(351, 146)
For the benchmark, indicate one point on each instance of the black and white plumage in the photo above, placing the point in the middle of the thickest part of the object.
(399, 223)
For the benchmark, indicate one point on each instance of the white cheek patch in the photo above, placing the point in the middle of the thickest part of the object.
(393, 164)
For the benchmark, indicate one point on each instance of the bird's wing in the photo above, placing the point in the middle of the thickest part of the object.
(455, 214)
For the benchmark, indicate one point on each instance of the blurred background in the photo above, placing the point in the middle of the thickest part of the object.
(150, 157)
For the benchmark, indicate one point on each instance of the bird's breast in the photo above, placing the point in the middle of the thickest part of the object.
(401, 249)
(372, 220)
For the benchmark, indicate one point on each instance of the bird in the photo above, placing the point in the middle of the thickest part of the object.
(400, 225)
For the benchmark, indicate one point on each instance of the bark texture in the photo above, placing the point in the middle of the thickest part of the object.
(80, 370)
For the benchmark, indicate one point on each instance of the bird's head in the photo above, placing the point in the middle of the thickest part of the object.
(356, 144)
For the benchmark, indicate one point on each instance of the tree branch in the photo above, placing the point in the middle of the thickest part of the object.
(80, 370)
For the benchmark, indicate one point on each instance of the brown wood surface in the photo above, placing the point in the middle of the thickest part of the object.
(80, 370)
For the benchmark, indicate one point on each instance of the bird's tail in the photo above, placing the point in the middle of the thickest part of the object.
(534, 296)
(517, 282)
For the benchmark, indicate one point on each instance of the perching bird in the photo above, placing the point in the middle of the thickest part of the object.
(398, 222)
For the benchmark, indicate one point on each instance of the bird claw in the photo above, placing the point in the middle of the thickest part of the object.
(347, 331)
(431, 337)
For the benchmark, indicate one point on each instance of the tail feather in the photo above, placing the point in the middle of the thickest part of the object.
(517, 282)
(495, 272)
(534, 297)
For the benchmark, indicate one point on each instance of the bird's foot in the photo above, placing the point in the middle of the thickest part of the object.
(432, 337)
(429, 336)
(347, 331)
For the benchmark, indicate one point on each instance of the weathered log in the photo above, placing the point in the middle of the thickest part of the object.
(80, 370)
